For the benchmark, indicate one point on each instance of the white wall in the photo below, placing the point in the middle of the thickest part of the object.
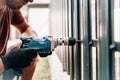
(38, 20)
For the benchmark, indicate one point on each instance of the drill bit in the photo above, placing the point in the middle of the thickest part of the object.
(79, 41)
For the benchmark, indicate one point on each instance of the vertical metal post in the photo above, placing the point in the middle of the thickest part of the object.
(111, 39)
(103, 36)
(67, 34)
(71, 52)
(64, 34)
(87, 51)
(96, 21)
(76, 34)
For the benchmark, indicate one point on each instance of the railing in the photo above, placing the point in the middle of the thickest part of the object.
(93, 22)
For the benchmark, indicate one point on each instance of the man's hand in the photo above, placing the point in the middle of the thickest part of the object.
(19, 58)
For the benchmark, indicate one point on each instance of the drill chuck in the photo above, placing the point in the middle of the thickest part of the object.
(69, 41)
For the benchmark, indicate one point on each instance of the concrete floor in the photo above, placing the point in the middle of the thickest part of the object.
(56, 69)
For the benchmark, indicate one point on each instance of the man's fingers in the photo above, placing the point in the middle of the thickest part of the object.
(31, 52)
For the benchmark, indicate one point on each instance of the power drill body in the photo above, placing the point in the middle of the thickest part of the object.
(40, 43)
(46, 44)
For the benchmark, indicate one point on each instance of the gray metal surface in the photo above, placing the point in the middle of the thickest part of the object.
(103, 38)
(76, 33)
(87, 38)
(71, 51)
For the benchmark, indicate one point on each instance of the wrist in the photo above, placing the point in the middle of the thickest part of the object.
(18, 43)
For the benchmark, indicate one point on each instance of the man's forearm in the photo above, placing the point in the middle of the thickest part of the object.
(1, 66)
(29, 32)
(17, 43)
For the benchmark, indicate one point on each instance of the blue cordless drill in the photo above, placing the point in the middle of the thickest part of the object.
(46, 45)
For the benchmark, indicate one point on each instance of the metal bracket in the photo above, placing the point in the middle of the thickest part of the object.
(117, 46)
(93, 42)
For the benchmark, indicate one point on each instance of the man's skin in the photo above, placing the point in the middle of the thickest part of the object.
(24, 29)
(1, 66)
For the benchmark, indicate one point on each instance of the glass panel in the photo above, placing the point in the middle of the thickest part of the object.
(117, 20)
(93, 19)
(117, 37)
(94, 63)
(93, 24)
(117, 66)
